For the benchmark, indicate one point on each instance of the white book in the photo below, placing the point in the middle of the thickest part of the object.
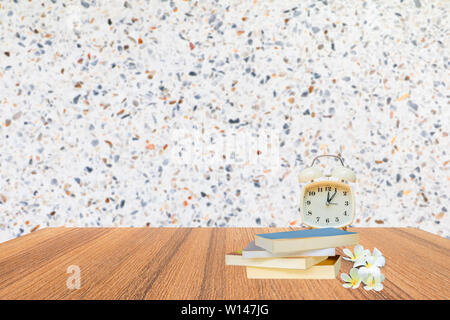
(253, 251)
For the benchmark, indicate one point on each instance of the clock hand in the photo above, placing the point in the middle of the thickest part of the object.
(332, 196)
(328, 197)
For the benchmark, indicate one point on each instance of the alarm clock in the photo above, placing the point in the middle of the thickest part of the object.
(329, 202)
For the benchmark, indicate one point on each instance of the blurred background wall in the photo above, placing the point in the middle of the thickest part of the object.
(202, 113)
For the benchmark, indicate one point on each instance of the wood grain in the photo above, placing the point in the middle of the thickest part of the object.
(189, 263)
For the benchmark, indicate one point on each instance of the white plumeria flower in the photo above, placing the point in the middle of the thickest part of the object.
(370, 267)
(374, 282)
(353, 280)
(359, 257)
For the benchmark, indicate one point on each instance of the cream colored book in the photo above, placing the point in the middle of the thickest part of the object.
(300, 263)
(327, 269)
(308, 239)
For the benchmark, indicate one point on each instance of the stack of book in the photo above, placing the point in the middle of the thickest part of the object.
(300, 254)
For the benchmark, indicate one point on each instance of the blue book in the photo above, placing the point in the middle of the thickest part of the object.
(308, 239)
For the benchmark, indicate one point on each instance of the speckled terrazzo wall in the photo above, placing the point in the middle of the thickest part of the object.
(102, 100)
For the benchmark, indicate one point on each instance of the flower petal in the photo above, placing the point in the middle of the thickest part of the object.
(359, 249)
(347, 285)
(378, 287)
(348, 253)
(348, 259)
(375, 271)
(367, 288)
(363, 272)
(368, 279)
(359, 262)
(370, 260)
(380, 261)
(376, 252)
(345, 277)
(354, 273)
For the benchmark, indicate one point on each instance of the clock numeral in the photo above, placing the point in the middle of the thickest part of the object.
(327, 220)
(346, 203)
(309, 213)
(308, 202)
(345, 213)
(319, 189)
(317, 219)
(327, 188)
(312, 193)
(337, 219)
(345, 193)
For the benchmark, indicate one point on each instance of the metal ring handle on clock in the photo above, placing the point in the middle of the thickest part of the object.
(327, 155)
(342, 173)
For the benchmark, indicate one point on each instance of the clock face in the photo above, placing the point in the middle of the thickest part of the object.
(327, 204)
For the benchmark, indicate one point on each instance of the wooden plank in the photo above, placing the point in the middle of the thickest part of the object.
(189, 263)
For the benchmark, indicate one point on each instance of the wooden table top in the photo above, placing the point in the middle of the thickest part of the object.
(189, 263)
